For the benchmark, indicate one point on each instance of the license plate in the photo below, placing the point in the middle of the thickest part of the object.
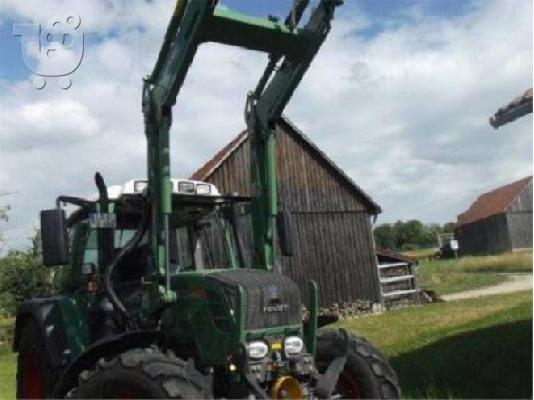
(101, 220)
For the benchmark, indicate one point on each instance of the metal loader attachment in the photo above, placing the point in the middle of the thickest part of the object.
(290, 51)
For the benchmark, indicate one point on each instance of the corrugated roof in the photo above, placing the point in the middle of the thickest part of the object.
(493, 202)
(388, 253)
(215, 162)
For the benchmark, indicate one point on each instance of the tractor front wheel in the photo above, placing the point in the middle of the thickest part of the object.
(142, 374)
(367, 374)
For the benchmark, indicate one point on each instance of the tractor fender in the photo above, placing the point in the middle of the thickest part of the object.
(323, 320)
(107, 347)
(49, 318)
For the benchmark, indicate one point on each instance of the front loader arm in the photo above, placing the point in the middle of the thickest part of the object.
(264, 107)
(290, 48)
(159, 95)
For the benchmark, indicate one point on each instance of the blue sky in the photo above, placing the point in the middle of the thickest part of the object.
(399, 97)
(12, 66)
(371, 8)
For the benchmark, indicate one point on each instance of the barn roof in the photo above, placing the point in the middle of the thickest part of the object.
(493, 202)
(205, 171)
(393, 255)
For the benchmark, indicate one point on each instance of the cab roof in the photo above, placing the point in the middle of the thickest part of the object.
(179, 186)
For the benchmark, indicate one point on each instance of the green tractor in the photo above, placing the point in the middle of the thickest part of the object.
(161, 295)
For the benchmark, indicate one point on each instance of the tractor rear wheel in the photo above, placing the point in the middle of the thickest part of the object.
(367, 374)
(34, 378)
(142, 374)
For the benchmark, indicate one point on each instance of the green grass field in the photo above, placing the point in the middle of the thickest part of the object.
(478, 348)
(7, 360)
(421, 254)
(520, 261)
(466, 273)
(446, 279)
(8, 371)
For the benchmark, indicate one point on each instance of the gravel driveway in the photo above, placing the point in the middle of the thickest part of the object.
(515, 283)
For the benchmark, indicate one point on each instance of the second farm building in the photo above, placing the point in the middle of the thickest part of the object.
(332, 216)
(498, 221)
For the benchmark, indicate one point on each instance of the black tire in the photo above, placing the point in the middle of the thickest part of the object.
(142, 373)
(367, 374)
(34, 373)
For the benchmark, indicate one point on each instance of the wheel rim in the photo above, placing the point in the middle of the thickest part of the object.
(122, 394)
(33, 381)
(347, 386)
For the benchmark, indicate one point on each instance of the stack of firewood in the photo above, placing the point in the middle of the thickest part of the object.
(346, 309)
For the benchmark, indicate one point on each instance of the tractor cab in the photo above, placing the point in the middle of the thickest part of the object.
(205, 232)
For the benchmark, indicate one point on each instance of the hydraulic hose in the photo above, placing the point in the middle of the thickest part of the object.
(112, 296)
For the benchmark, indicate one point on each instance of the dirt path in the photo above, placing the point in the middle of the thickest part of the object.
(515, 283)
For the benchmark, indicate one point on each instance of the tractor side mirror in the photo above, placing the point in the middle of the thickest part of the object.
(285, 233)
(54, 237)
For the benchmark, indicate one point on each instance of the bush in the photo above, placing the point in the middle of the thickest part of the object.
(22, 276)
(7, 327)
(409, 235)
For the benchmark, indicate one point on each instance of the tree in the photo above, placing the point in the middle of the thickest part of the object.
(3, 218)
(449, 227)
(23, 276)
(385, 236)
(409, 235)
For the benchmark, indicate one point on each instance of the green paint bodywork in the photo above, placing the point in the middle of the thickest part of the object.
(264, 201)
(311, 329)
(74, 313)
(67, 314)
(192, 318)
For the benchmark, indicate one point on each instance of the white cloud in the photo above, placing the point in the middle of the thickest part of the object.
(405, 113)
(44, 123)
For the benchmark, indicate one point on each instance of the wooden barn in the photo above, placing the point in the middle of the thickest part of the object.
(498, 221)
(332, 216)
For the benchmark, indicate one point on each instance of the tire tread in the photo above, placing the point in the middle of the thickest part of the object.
(387, 380)
(169, 372)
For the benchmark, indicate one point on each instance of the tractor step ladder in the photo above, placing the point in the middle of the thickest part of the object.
(397, 282)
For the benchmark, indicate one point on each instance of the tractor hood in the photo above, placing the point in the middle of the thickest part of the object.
(271, 299)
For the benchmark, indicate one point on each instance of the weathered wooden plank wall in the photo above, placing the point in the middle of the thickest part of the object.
(334, 243)
(332, 250)
(519, 219)
(486, 236)
(520, 229)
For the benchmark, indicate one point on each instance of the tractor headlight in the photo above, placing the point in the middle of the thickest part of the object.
(293, 345)
(257, 349)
